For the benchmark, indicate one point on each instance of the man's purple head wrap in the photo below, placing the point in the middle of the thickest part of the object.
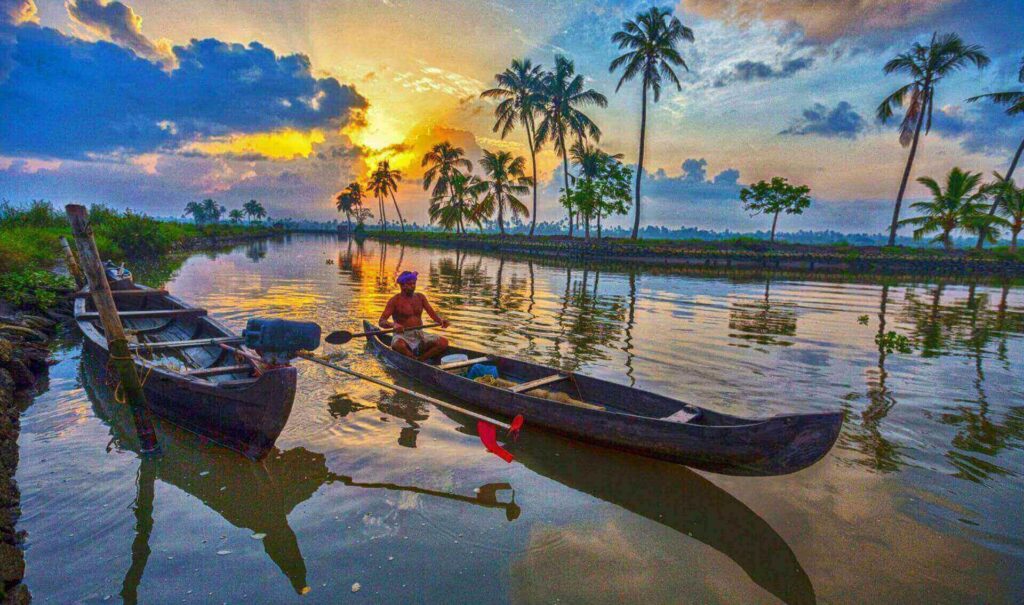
(406, 277)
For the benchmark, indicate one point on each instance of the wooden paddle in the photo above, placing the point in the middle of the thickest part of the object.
(342, 336)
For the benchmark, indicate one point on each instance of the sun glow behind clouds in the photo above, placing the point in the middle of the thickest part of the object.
(285, 144)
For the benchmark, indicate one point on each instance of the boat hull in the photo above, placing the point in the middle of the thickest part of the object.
(722, 443)
(246, 418)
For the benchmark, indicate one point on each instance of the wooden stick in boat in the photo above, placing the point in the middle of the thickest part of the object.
(73, 268)
(411, 393)
(120, 356)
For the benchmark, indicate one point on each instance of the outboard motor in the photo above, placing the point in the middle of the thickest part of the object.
(279, 340)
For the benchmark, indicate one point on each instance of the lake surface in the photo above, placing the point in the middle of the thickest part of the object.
(920, 500)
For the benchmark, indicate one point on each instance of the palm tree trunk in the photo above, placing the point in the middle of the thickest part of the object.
(383, 215)
(565, 170)
(401, 221)
(775, 221)
(640, 160)
(599, 225)
(1013, 241)
(501, 215)
(533, 162)
(586, 223)
(906, 176)
(947, 241)
(995, 203)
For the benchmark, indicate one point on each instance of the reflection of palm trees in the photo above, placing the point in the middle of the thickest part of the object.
(762, 321)
(883, 455)
(630, 323)
(978, 434)
(595, 321)
(256, 250)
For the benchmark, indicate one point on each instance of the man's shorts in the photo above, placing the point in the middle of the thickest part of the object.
(418, 340)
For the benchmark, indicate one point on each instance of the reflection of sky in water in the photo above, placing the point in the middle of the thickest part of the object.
(376, 488)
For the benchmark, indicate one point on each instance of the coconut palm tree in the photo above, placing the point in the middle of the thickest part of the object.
(380, 186)
(591, 161)
(254, 210)
(1014, 101)
(349, 200)
(927, 65)
(236, 216)
(519, 87)
(651, 38)
(390, 180)
(212, 210)
(507, 181)
(1009, 200)
(197, 212)
(453, 210)
(960, 206)
(563, 93)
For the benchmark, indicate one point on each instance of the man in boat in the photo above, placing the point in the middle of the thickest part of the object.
(407, 309)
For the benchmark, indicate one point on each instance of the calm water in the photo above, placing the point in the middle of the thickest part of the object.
(920, 501)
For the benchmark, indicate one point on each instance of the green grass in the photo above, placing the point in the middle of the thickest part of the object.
(30, 240)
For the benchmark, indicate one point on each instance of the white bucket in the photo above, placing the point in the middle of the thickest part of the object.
(454, 357)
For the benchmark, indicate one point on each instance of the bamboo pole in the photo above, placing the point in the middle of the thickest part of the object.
(73, 268)
(121, 359)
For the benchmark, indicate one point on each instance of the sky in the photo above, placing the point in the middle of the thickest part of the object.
(151, 104)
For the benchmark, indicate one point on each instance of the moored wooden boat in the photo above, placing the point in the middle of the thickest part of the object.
(189, 378)
(631, 419)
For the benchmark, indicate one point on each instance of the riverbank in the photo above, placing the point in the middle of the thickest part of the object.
(24, 359)
(735, 254)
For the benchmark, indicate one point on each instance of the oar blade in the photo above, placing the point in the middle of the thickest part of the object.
(489, 437)
(338, 338)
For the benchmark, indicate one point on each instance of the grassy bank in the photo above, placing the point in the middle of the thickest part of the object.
(30, 243)
(735, 254)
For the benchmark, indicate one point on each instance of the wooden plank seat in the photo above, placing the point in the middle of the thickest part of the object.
(149, 313)
(184, 344)
(461, 364)
(533, 384)
(215, 371)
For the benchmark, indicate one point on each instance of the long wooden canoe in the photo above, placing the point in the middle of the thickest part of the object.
(190, 379)
(631, 419)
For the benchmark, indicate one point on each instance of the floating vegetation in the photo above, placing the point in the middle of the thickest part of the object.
(893, 342)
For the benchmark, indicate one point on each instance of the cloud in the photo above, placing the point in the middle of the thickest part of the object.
(839, 122)
(981, 127)
(749, 71)
(70, 98)
(821, 21)
(119, 23)
(16, 12)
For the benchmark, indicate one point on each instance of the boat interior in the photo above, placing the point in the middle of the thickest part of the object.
(172, 335)
(568, 388)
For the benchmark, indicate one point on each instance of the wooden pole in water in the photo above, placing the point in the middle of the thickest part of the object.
(121, 359)
(73, 268)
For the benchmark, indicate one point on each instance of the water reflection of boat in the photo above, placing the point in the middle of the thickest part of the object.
(257, 496)
(673, 496)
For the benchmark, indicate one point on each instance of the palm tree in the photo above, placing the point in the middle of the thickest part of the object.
(1014, 101)
(236, 216)
(563, 92)
(197, 212)
(212, 210)
(379, 185)
(519, 87)
(254, 210)
(960, 206)
(927, 65)
(652, 38)
(1009, 199)
(390, 180)
(460, 205)
(506, 182)
(444, 160)
(591, 159)
(349, 200)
